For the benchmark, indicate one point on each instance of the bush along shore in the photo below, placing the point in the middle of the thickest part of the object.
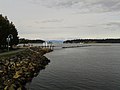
(19, 69)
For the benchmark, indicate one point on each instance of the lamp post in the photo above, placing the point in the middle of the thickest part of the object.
(10, 36)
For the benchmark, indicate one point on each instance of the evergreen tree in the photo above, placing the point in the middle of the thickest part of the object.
(7, 28)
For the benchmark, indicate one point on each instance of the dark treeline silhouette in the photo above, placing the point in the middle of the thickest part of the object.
(26, 41)
(7, 28)
(93, 41)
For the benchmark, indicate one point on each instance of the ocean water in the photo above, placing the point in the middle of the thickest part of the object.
(84, 68)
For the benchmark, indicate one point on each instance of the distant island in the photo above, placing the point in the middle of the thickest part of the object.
(93, 41)
(26, 41)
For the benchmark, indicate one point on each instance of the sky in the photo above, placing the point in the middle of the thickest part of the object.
(63, 19)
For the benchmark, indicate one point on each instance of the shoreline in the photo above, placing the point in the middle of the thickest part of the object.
(75, 45)
(20, 68)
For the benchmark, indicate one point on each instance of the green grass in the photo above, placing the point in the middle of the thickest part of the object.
(13, 52)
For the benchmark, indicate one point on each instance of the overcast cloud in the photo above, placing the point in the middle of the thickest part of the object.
(64, 19)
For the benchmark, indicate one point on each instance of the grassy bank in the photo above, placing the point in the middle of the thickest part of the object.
(18, 68)
(13, 52)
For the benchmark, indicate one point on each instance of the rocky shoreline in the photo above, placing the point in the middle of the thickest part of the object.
(19, 69)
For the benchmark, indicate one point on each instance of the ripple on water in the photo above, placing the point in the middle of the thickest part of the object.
(87, 68)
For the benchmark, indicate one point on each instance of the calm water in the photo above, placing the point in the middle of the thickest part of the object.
(84, 68)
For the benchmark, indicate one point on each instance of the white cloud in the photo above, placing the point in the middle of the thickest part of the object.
(113, 24)
(81, 5)
(52, 21)
(55, 19)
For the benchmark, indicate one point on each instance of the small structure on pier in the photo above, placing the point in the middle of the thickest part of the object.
(48, 45)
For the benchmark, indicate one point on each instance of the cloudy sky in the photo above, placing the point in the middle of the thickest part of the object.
(64, 19)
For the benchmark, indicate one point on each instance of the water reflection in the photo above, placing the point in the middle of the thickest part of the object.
(85, 68)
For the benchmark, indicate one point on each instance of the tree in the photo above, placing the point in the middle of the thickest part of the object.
(7, 28)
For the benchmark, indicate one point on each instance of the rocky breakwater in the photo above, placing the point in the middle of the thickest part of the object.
(18, 69)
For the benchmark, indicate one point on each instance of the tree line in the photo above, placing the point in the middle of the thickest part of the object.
(26, 41)
(7, 28)
(93, 41)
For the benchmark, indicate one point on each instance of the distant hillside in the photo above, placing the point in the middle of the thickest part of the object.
(56, 41)
(25, 41)
(93, 41)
